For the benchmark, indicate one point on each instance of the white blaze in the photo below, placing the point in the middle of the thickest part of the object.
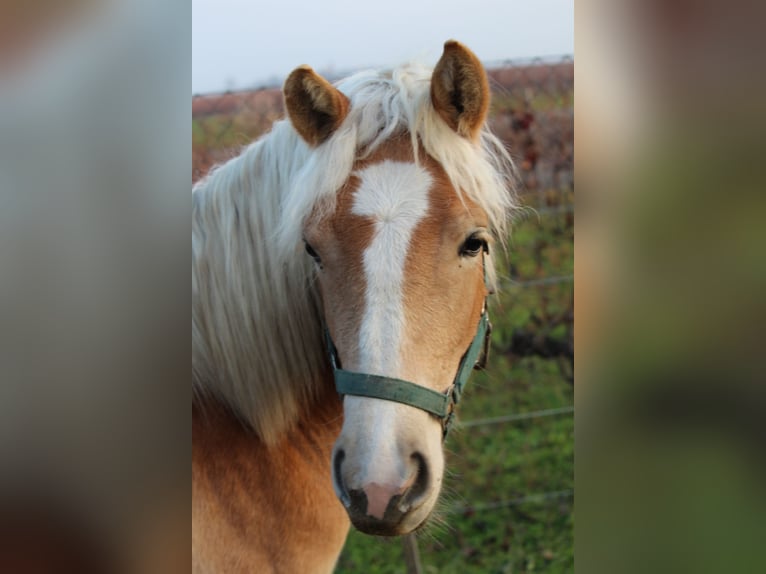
(376, 432)
(395, 195)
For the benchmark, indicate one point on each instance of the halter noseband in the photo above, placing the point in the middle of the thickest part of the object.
(441, 405)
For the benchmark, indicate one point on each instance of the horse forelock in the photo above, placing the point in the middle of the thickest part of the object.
(256, 326)
(388, 104)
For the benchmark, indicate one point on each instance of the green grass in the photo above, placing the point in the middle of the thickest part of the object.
(503, 99)
(507, 461)
(223, 131)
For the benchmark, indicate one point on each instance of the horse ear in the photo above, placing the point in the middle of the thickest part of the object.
(316, 108)
(460, 90)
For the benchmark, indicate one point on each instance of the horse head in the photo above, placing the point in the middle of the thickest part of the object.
(401, 261)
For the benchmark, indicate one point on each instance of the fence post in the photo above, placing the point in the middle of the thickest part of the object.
(411, 554)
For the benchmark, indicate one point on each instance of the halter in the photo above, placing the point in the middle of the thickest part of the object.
(441, 405)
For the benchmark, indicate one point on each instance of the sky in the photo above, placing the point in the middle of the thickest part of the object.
(240, 44)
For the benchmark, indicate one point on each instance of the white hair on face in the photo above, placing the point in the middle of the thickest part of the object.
(257, 342)
(395, 195)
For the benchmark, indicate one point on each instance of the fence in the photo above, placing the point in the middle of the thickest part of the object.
(410, 549)
(524, 402)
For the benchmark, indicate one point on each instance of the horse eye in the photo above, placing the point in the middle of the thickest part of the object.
(310, 250)
(473, 246)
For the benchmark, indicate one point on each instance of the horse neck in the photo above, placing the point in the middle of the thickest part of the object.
(214, 421)
(283, 492)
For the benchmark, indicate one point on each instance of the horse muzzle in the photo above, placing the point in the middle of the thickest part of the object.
(385, 499)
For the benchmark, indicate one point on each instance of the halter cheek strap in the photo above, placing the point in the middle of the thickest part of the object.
(441, 405)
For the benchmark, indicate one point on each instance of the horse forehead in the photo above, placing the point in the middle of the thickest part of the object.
(384, 200)
(395, 192)
(392, 192)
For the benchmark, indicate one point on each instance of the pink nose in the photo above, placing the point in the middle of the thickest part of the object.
(380, 507)
(380, 495)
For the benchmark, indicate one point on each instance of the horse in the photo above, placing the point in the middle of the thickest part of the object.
(340, 271)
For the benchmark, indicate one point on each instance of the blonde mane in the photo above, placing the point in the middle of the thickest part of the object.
(257, 343)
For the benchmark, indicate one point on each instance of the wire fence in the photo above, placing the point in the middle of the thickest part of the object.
(543, 281)
(410, 549)
(517, 417)
(533, 114)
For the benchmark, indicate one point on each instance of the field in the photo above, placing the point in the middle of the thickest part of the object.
(509, 500)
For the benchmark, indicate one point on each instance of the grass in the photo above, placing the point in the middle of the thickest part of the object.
(222, 131)
(503, 99)
(508, 461)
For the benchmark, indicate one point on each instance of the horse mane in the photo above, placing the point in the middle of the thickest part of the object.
(257, 341)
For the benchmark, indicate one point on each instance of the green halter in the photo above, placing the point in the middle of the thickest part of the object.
(441, 405)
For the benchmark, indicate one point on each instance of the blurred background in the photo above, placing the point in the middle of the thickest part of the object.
(94, 293)
(670, 284)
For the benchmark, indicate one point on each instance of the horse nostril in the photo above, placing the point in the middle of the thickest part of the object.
(422, 478)
(357, 502)
(337, 461)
